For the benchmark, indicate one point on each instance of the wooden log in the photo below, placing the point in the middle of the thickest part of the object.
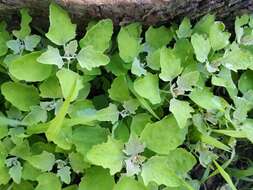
(123, 11)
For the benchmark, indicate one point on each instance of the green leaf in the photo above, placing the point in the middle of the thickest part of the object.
(61, 29)
(29, 64)
(98, 36)
(157, 170)
(4, 175)
(20, 95)
(119, 89)
(129, 42)
(225, 175)
(24, 185)
(153, 59)
(170, 64)
(84, 138)
(237, 58)
(224, 78)
(4, 37)
(153, 37)
(25, 29)
(148, 83)
(187, 80)
(138, 122)
(31, 42)
(184, 29)
(201, 47)
(95, 178)
(205, 99)
(77, 162)
(163, 136)
(43, 161)
(126, 183)
(48, 181)
(245, 82)
(36, 115)
(70, 82)
(181, 111)
(214, 142)
(29, 172)
(108, 155)
(90, 58)
(109, 113)
(50, 88)
(21, 150)
(134, 146)
(204, 24)
(169, 170)
(51, 57)
(218, 38)
(184, 164)
(239, 22)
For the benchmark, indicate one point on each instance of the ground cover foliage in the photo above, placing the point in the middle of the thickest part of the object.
(167, 108)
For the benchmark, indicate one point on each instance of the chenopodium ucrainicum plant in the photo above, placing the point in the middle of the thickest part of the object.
(139, 110)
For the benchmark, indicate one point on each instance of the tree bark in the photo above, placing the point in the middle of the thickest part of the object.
(123, 11)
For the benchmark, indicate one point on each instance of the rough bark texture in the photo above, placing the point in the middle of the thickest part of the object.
(124, 11)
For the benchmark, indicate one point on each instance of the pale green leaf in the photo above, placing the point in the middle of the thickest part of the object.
(126, 183)
(163, 136)
(181, 111)
(237, 58)
(148, 83)
(90, 58)
(25, 29)
(95, 178)
(16, 172)
(108, 155)
(43, 161)
(157, 170)
(20, 95)
(217, 37)
(98, 36)
(51, 57)
(201, 47)
(71, 48)
(70, 82)
(36, 115)
(85, 137)
(61, 29)
(184, 29)
(28, 63)
(64, 174)
(109, 113)
(205, 99)
(119, 89)
(153, 36)
(48, 181)
(50, 88)
(138, 68)
(129, 42)
(31, 42)
(187, 80)
(170, 64)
